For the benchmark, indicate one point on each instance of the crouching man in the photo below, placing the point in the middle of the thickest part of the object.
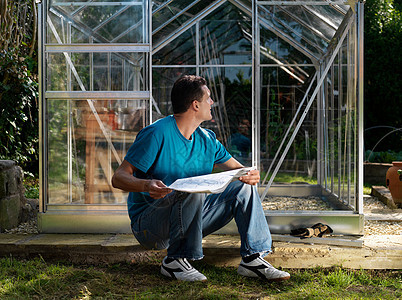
(177, 147)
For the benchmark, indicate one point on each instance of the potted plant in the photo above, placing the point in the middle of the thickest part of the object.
(394, 181)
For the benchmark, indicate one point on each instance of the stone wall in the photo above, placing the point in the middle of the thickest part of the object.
(12, 200)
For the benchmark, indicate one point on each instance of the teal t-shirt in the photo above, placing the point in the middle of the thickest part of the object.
(161, 152)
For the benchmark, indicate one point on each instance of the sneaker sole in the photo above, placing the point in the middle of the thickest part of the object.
(245, 272)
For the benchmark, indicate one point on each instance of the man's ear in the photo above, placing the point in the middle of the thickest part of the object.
(195, 105)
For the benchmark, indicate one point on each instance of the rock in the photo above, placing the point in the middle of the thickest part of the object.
(12, 200)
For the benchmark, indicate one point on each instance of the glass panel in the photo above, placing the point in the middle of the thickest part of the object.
(167, 21)
(225, 37)
(101, 21)
(96, 71)
(327, 14)
(305, 31)
(281, 96)
(287, 33)
(181, 51)
(314, 22)
(84, 153)
(162, 14)
(231, 90)
(162, 83)
(275, 50)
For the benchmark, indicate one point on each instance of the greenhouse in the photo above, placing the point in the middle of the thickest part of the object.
(286, 78)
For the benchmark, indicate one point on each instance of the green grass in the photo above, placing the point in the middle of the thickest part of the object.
(289, 178)
(38, 279)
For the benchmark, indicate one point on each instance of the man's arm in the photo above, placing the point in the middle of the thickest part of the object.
(123, 179)
(252, 177)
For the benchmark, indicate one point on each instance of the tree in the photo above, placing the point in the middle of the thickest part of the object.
(383, 95)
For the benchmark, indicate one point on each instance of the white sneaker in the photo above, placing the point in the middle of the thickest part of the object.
(180, 269)
(259, 267)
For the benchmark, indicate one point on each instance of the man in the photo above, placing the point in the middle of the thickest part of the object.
(240, 142)
(177, 147)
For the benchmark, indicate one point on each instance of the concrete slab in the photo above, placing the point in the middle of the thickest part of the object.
(121, 240)
(75, 240)
(6, 239)
(377, 252)
(305, 256)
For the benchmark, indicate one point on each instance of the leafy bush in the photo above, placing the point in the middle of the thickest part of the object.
(19, 110)
(31, 185)
(383, 156)
(18, 84)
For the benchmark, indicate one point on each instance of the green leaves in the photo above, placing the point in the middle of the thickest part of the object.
(383, 41)
(18, 110)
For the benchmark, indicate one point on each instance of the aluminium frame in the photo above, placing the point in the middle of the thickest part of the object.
(77, 218)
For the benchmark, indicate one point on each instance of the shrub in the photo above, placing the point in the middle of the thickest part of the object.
(18, 84)
(19, 109)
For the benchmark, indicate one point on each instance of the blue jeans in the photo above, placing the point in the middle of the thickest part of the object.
(179, 221)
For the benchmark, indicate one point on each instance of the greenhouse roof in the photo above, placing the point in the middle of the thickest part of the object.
(308, 26)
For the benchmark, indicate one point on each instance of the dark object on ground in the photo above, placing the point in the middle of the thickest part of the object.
(317, 230)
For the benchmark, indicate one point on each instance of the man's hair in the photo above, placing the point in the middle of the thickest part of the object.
(185, 90)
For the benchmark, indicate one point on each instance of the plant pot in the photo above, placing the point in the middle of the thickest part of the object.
(394, 181)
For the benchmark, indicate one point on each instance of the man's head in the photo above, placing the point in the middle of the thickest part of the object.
(185, 90)
(244, 126)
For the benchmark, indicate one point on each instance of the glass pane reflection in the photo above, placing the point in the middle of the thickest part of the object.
(232, 109)
(86, 146)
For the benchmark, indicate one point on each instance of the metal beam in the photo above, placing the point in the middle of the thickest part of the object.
(43, 150)
(97, 47)
(325, 3)
(117, 3)
(99, 95)
(360, 104)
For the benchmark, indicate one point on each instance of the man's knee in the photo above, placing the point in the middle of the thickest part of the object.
(244, 189)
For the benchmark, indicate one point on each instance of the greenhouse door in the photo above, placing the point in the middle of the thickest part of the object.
(95, 97)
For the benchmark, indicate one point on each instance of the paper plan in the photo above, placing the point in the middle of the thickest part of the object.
(211, 183)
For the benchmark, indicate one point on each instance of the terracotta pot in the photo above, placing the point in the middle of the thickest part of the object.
(394, 181)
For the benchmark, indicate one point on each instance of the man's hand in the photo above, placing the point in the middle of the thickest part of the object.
(252, 177)
(156, 189)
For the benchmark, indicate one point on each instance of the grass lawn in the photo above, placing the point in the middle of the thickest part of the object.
(38, 279)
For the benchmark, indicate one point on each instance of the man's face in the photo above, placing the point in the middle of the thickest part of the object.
(244, 127)
(205, 105)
